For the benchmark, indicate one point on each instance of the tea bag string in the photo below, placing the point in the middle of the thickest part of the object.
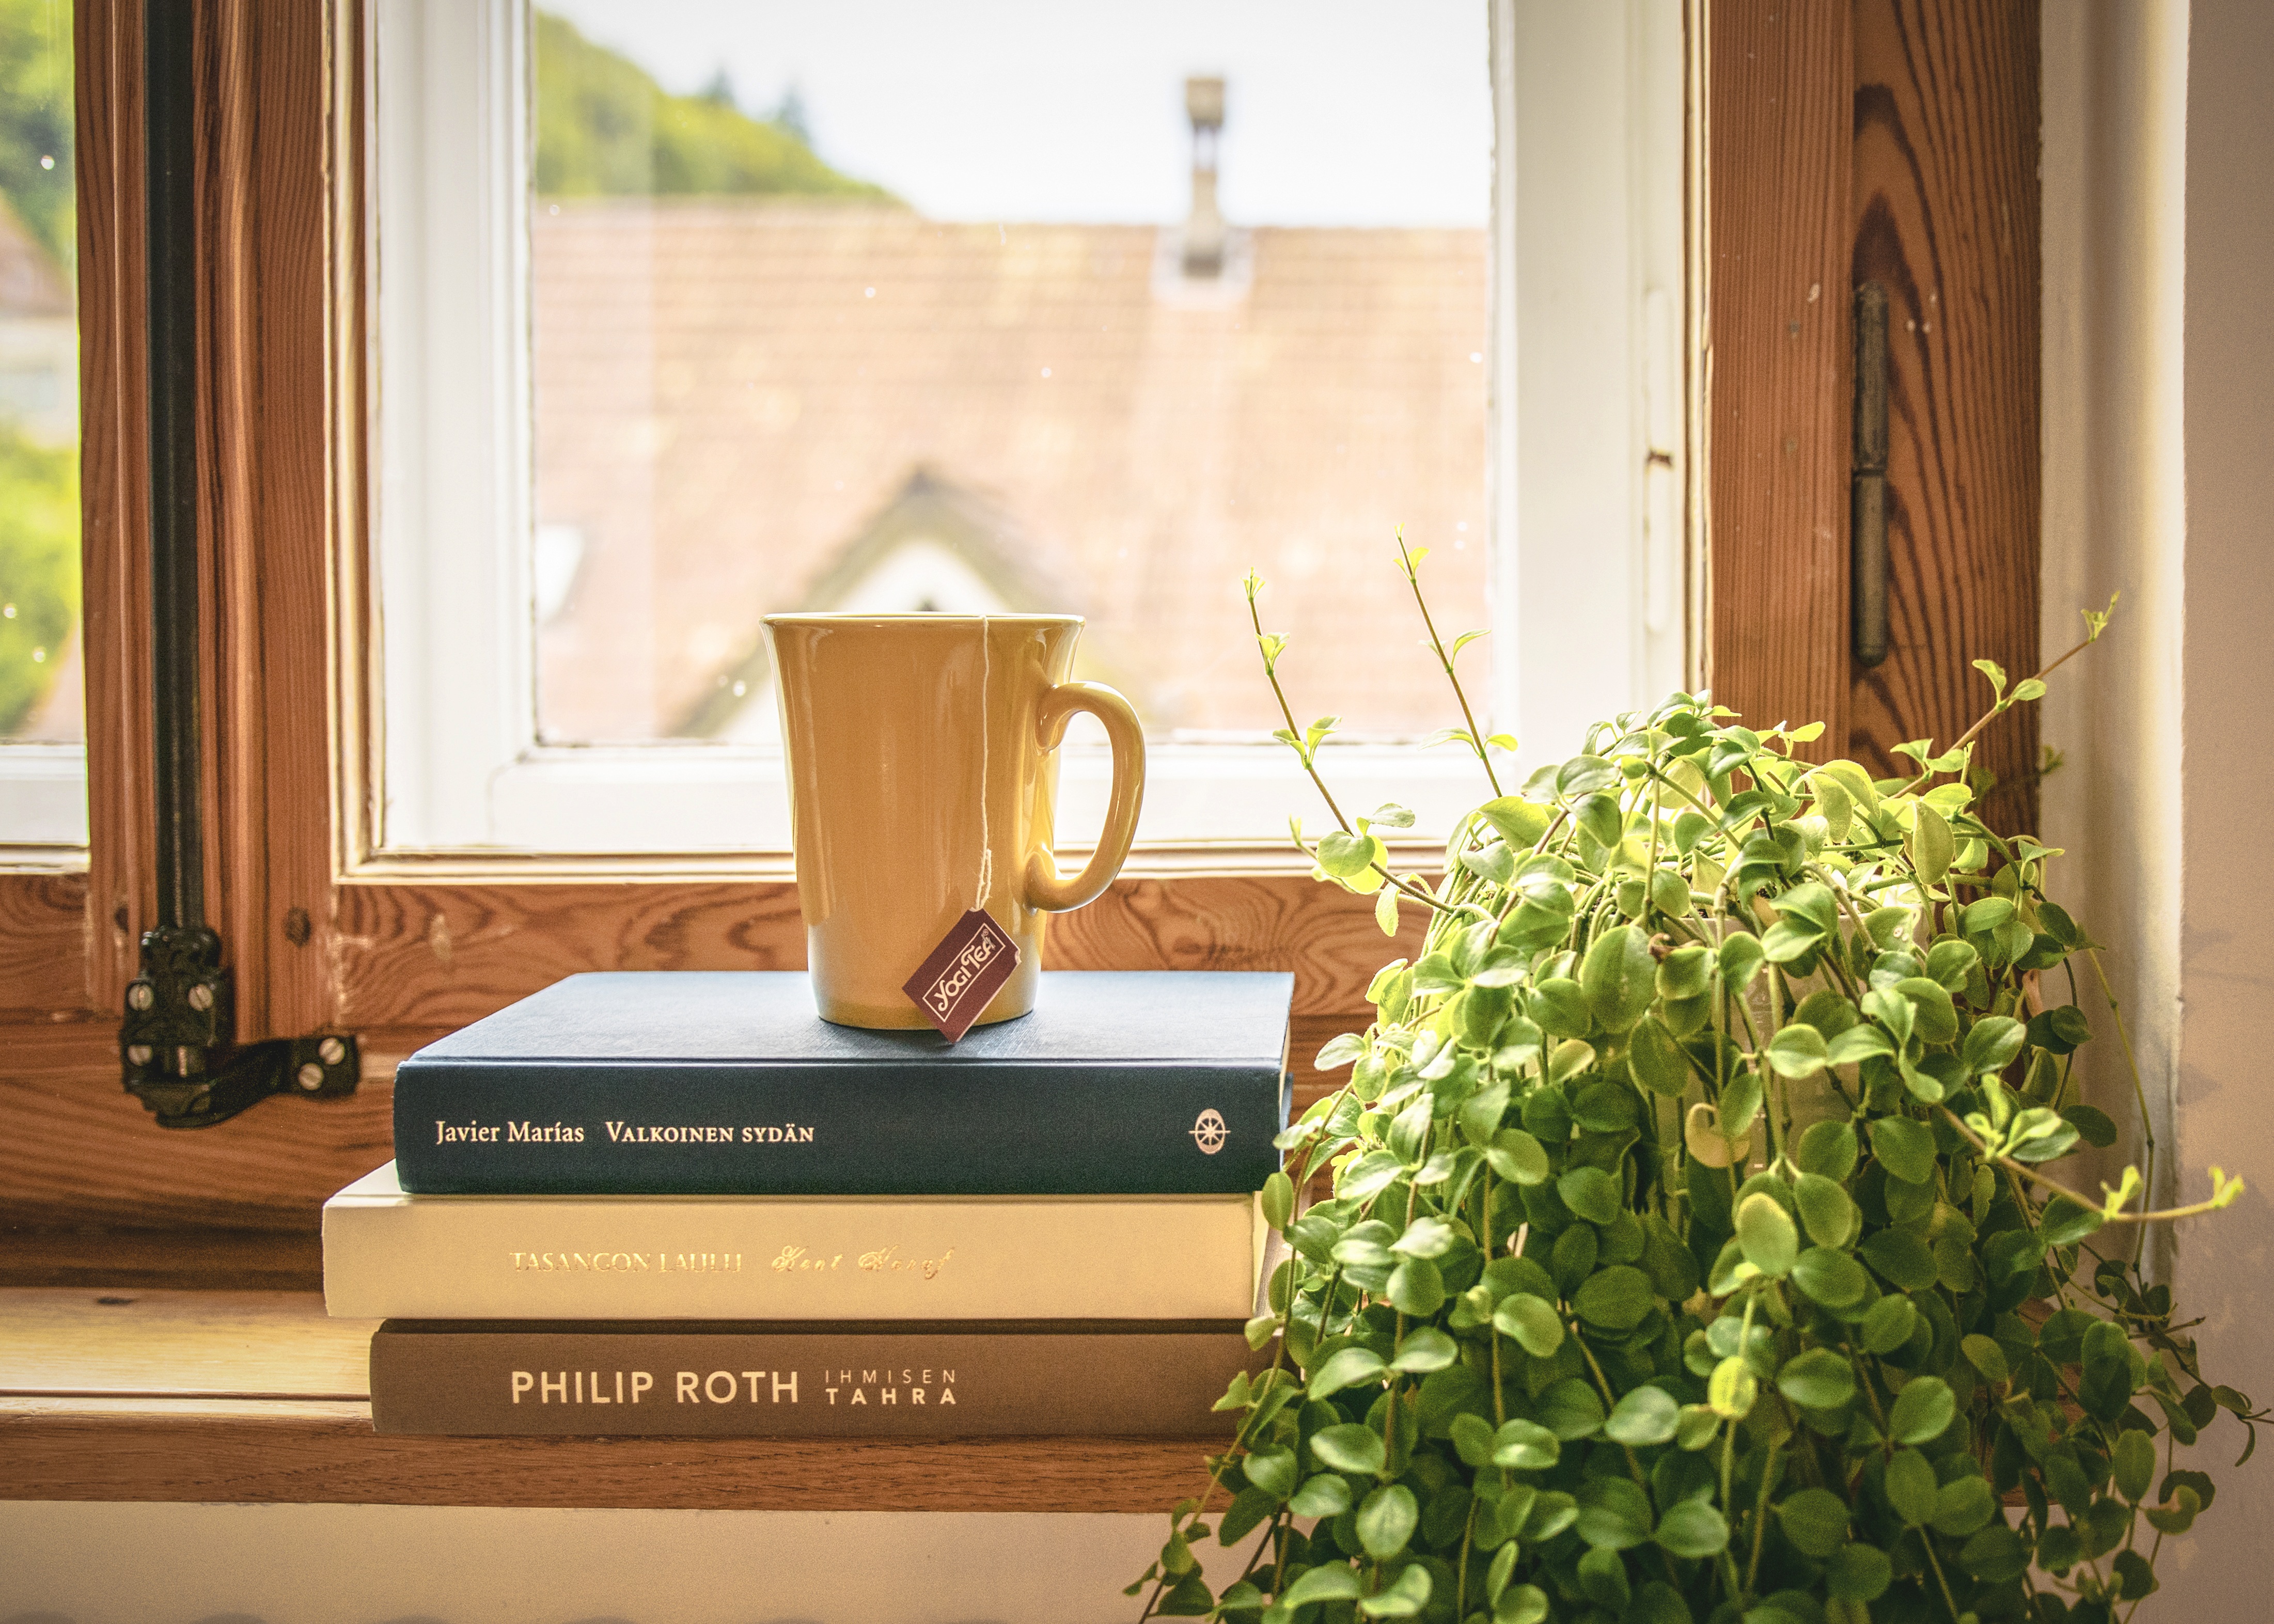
(986, 841)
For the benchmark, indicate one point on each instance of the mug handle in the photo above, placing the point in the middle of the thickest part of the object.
(1044, 889)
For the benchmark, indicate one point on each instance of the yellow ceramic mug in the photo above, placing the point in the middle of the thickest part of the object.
(923, 783)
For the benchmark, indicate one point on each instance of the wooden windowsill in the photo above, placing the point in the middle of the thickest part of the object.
(126, 1394)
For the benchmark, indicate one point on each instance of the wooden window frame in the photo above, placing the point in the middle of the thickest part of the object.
(325, 936)
(322, 933)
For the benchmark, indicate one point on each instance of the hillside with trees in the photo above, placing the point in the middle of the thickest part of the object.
(605, 128)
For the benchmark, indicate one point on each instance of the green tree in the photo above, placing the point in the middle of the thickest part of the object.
(605, 128)
(38, 569)
(35, 119)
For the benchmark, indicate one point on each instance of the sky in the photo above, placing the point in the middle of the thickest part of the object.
(1339, 112)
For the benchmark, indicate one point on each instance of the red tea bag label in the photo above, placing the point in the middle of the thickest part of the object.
(963, 974)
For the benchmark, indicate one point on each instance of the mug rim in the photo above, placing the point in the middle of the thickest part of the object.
(929, 617)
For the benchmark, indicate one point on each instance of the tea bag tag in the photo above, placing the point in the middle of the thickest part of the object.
(963, 975)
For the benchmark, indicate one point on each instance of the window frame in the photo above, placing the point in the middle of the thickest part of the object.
(1583, 387)
(325, 934)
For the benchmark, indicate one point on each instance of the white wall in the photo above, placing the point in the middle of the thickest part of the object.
(2226, 980)
(2159, 426)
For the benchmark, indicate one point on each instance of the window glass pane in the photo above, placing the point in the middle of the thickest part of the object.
(1006, 306)
(41, 691)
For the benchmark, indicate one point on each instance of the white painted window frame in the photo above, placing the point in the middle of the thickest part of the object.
(1587, 440)
(44, 805)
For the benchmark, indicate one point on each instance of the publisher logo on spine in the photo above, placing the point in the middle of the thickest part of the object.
(1209, 1132)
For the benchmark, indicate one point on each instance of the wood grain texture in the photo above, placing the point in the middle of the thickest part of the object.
(1778, 230)
(1947, 219)
(45, 939)
(88, 1257)
(315, 1452)
(112, 1343)
(440, 955)
(76, 1148)
(114, 497)
(265, 490)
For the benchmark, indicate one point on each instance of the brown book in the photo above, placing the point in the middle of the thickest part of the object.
(846, 1378)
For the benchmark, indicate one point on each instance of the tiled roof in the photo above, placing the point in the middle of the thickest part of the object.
(725, 403)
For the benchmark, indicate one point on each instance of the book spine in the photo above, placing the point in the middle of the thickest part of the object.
(529, 1127)
(761, 1383)
(661, 1258)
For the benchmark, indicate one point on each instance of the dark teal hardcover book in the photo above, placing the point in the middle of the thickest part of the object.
(727, 1083)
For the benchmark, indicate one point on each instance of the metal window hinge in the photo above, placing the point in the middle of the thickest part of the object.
(1867, 529)
(174, 1044)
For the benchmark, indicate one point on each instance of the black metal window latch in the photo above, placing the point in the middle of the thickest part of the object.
(175, 1045)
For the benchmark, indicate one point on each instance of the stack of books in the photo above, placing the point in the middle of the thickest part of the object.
(679, 1203)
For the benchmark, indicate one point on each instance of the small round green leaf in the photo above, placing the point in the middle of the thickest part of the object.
(1526, 1446)
(1732, 1388)
(1905, 1148)
(1986, 1356)
(1518, 1157)
(1426, 1349)
(1272, 1471)
(1521, 1604)
(1402, 1597)
(1991, 1044)
(1910, 1487)
(1416, 1288)
(1331, 1582)
(1346, 1367)
(1323, 1494)
(1569, 1410)
(1963, 1505)
(1614, 1513)
(1278, 1200)
(1889, 1324)
(1590, 1192)
(1826, 1212)
(2134, 1460)
(1828, 1150)
(1859, 1573)
(1832, 1278)
(1816, 1379)
(1995, 1554)
(1923, 1410)
(1797, 1051)
(1619, 976)
(1766, 1236)
(1603, 1579)
(1654, 1059)
(1902, 1259)
(1386, 1520)
(1535, 1325)
(1815, 1520)
(1644, 1417)
(1693, 1529)
(1615, 1298)
(1350, 1448)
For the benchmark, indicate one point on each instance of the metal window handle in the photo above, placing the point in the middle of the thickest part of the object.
(1867, 574)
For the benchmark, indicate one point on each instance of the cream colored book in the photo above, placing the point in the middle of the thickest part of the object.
(390, 1255)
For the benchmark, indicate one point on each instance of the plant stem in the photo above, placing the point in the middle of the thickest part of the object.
(2022, 1168)
(2139, 1091)
(1993, 713)
(1476, 738)
(1926, 1543)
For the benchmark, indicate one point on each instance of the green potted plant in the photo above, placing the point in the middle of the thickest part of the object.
(1695, 1248)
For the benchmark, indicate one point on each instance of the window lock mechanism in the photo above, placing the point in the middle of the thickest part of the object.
(174, 1046)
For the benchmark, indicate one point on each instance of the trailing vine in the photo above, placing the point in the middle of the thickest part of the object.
(1694, 1250)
